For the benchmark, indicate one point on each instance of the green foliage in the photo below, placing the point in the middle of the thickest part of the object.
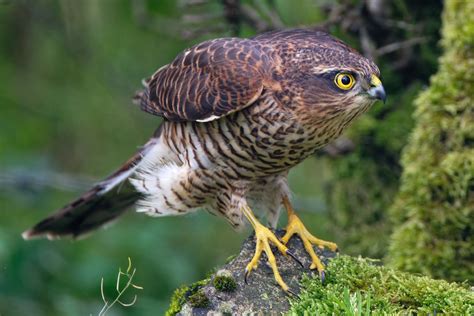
(434, 211)
(184, 293)
(357, 286)
(224, 283)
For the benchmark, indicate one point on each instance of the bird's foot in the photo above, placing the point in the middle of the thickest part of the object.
(296, 226)
(264, 237)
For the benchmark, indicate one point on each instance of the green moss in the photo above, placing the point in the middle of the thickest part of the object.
(434, 210)
(230, 258)
(177, 301)
(182, 294)
(199, 299)
(224, 283)
(356, 286)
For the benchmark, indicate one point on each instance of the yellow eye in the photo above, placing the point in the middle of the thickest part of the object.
(344, 81)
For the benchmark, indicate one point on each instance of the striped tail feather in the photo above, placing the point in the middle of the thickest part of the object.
(102, 204)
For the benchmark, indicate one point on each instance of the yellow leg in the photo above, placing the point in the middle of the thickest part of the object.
(264, 237)
(296, 226)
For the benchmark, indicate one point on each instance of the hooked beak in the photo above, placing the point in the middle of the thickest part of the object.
(376, 89)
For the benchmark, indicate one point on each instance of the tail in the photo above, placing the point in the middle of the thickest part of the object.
(102, 204)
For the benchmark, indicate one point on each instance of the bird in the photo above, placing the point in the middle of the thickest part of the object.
(237, 115)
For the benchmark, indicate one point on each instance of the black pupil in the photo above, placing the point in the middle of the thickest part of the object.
(345, 80)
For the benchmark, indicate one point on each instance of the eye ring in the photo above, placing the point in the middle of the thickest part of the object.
(344, 81)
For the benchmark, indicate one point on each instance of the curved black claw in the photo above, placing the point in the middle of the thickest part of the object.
(292, 255)
(293, 293)
(322, 275)
(246, 277)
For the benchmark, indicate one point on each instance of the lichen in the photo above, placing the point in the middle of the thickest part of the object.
(226, 308)
(356, 286)
(433, 213)
(182, 294)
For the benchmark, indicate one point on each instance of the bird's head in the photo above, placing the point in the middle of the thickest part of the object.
(330, 78)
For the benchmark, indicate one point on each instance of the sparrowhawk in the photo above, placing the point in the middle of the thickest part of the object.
(238, 114)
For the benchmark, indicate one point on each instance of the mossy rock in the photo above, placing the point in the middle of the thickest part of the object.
(183, 295)
(224, 281)
(357, 286)
(229, 294)
(199, 300)
(351, 285)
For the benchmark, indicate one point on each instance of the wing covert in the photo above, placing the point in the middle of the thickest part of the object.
(207, 81)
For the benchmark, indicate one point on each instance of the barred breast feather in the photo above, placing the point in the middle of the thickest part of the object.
(217, 164)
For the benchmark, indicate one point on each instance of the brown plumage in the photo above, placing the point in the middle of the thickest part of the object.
(239, 113)
(225, 75)
(211, 79)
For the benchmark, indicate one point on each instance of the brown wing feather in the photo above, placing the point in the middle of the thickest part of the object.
(207, 81)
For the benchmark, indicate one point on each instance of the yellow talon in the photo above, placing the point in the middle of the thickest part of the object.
(263, 237)
(296, 226)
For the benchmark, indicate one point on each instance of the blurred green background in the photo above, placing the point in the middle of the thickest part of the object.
(68, 70)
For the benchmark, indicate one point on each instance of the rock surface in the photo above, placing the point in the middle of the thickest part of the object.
(261, 295)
